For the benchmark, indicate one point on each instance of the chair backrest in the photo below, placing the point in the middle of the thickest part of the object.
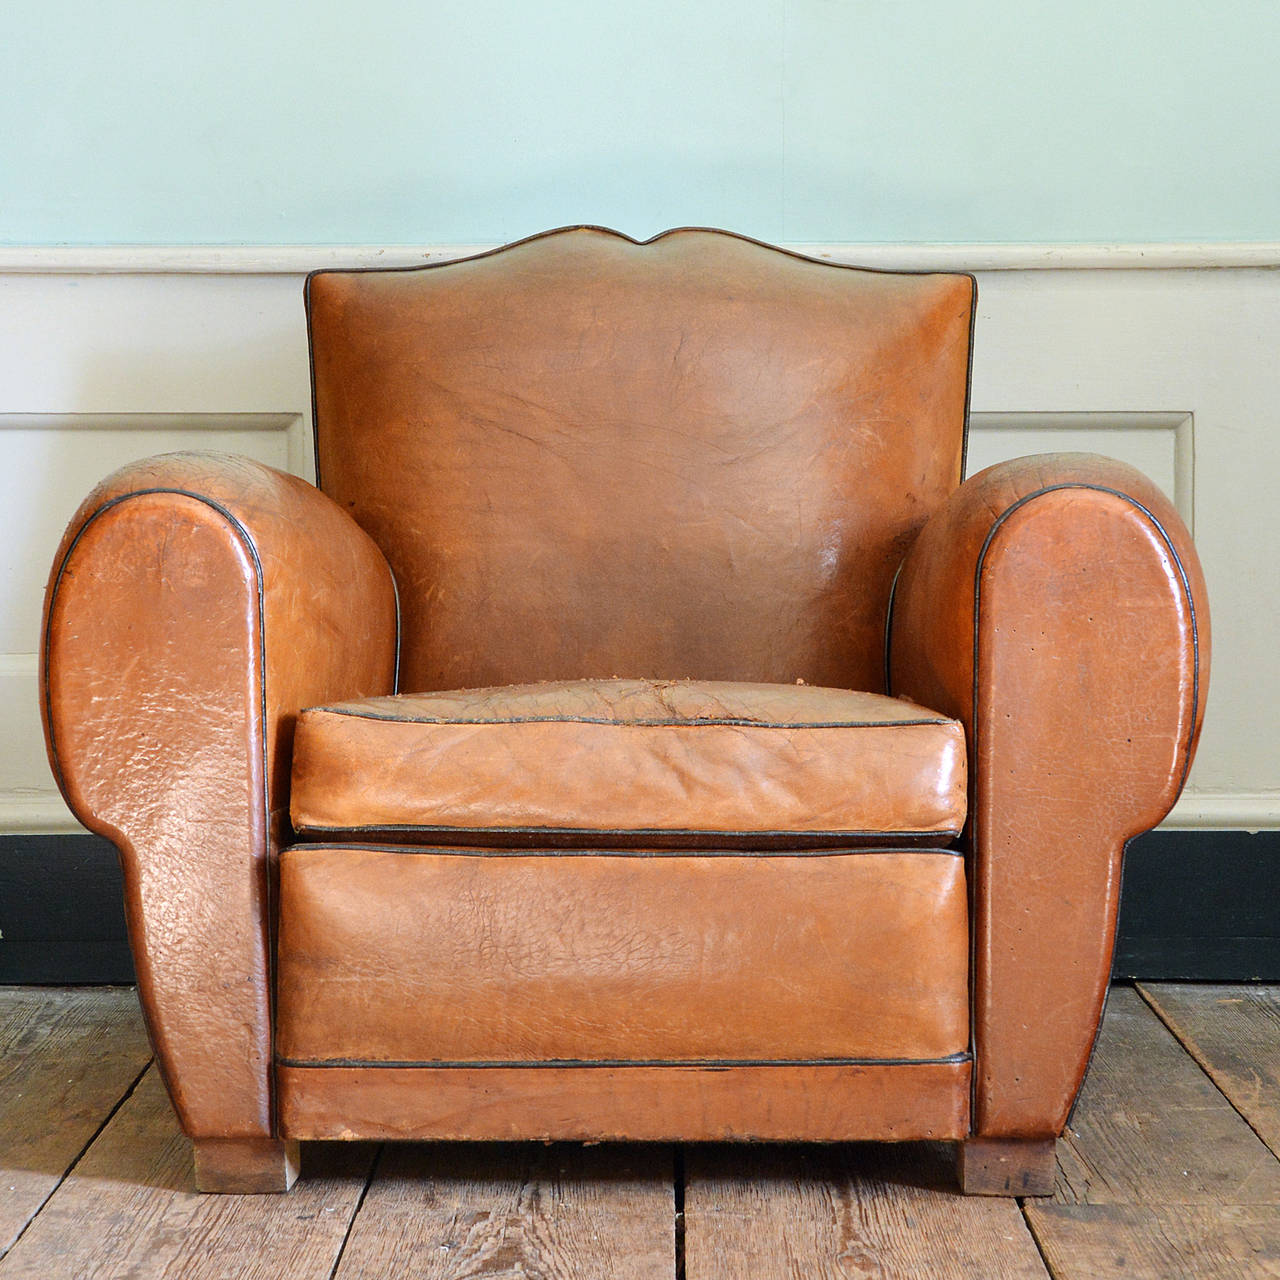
(693, 457)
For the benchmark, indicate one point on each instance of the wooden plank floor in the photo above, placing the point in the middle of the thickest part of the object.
(1169, 1169)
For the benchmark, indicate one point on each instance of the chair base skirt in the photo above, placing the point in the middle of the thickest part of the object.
(667, 1103)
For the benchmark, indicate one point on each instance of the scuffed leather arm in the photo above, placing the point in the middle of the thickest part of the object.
(1056, 606)
(197, 602)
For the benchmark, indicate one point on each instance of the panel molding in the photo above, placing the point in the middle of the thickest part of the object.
(1249, 811)
(215, 259)
(293, 425)
(28, 800)
(1178, 425)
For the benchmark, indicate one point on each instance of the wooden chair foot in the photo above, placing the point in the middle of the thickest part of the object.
(245, 1165)
(1007, 1166)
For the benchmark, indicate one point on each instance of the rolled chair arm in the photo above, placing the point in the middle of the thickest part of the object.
(197, 603)
(1056, 606)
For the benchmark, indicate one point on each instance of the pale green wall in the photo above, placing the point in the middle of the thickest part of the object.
(389, 121)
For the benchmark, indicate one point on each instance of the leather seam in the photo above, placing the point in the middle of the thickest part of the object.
(948, 833)
(968, 377)
(468, 851)
(888, 625)
(246, 539)
(315, 462)
(311, 371)
(395, 593)
(642, 724)
(651, 240)
(321, 1064)
(243, 534)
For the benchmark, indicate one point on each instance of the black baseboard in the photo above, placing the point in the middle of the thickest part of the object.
(1196, 905)
(61, 911)
(1201, 906)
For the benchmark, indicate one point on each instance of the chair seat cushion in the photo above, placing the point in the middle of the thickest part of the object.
(631, 763)
(411, 956)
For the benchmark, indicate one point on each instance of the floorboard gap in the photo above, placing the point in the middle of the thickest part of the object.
(678, 1189)
(1023, 1205)
(70, 1169)
(355, 1213)
(1191, 1053)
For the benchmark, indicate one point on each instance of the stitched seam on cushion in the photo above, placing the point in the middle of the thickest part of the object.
(790, 833)
(641, 724)
(479, 851)
(954, 1059)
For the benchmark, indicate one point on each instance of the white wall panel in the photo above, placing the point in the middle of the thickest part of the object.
(49, 462)
(1159, 444)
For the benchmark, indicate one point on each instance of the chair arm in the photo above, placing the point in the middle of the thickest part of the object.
(197, 603)
(1056, 606)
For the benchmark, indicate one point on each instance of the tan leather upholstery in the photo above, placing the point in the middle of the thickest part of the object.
(197, 601)
(777, 1102)
(584, 457)
(698, 462)
(492, 956)
(1056, 606)
(631, 762)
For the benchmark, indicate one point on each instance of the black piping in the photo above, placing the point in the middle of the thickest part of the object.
(656, 832)
(954, 1059)
(243, 534)
(964, 464)
(968, 377)
(726, 721)
(395, 591)
(888, 631)
(622, 235)
(311, 371)
(532, 851)
(1173, 555)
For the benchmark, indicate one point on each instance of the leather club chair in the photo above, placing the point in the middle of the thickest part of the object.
(641, 733)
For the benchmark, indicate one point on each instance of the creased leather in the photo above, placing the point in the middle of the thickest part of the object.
(531, 958)
(698, 457)
(170, 727)
(1074, 583)
(693, 763)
